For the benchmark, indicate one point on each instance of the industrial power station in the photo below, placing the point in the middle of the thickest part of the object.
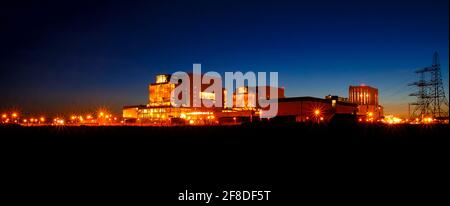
(361, 105)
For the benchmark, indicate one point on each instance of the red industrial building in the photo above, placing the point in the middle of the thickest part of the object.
(313, 109)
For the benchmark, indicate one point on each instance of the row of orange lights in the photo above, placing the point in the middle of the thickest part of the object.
(101, 115)
(35, 120)
(14, 117)
(390, 119)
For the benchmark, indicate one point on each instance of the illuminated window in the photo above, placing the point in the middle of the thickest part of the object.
(207, 95)
(242, 90)
(162, 78)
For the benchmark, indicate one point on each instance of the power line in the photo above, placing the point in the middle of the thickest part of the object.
(431, 98)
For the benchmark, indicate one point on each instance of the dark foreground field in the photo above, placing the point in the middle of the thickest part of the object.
(301, 163)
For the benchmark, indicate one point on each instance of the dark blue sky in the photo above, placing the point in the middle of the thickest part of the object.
(77, 56)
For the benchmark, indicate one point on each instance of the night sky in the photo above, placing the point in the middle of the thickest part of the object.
(59, 57)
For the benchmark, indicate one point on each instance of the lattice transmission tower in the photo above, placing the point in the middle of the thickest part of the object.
(431, 100)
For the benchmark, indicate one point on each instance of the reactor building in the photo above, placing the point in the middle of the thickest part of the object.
(366, 97)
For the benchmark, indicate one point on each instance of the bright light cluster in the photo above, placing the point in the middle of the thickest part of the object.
(390, 119)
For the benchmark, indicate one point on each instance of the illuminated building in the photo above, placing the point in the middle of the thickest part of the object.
(243, 96)
(366, 98)
(159, 92)
(243, 109)
(132, 112)
(160, 111)
(363, 95)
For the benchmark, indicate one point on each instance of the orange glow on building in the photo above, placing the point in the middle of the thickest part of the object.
(159, 94)
(244, 99)
(367, 99)
(159, 110)
(311, 109)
